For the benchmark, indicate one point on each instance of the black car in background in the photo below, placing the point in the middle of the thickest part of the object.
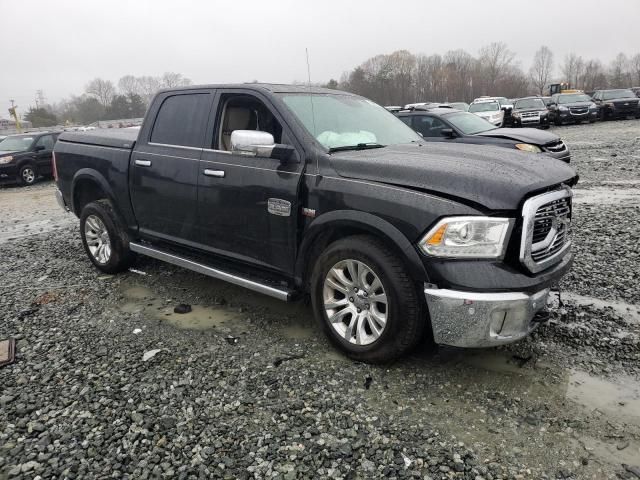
(25, 157)
(619, 103)
(572, 107)
(449, 125)
(530, 112)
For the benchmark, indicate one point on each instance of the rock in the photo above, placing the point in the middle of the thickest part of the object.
(182, 308)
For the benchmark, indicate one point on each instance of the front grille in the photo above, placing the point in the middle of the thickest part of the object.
(555, 147)
(578, 110)
(530, 114)
(546, 229)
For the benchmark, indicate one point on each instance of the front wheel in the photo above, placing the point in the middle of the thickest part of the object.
(365, 301)
(27, 174)
(105, 238)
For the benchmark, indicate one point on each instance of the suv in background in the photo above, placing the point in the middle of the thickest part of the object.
(490, 109)
(619, 103)
(25, 157)
(530, 112)
(572, 107)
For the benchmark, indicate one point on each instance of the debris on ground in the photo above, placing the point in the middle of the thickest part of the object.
(182, 308)
(148, 355)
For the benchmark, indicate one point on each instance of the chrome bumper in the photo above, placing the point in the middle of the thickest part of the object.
(60, 200)
(471, 320)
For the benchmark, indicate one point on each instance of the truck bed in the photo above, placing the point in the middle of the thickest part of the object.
(115, 138)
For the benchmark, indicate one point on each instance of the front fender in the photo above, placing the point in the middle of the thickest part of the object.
(363, 221)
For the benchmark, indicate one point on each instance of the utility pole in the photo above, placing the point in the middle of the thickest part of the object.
(40, 100)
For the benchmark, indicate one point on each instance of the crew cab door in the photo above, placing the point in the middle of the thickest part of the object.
(163, 170)
(248, 205)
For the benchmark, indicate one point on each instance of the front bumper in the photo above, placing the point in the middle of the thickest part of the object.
(475, 319)
(8, 171)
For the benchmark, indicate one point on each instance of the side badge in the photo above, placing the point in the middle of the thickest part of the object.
(277, 206)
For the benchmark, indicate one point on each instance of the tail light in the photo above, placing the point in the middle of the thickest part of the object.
(53, 166)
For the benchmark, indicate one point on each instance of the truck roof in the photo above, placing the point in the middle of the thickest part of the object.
(269, 87)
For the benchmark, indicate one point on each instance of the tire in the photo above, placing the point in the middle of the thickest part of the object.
(104, 237)
(27, 175)
(557, 122)
(403, 311)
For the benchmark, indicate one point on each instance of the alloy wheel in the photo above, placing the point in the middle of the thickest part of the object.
(97, 238)
(355, 302)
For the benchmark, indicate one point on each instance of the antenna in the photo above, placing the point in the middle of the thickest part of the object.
(313, 113)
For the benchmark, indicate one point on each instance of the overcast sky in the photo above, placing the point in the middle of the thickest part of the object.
(58, 46)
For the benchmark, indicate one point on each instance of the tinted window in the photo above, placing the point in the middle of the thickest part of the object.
(182, 120)
(47, 142)
(429, 126)
(406, 120)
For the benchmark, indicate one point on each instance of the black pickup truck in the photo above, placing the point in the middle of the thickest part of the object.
(292, 191)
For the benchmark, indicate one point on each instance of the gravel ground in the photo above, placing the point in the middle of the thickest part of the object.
(247, 387)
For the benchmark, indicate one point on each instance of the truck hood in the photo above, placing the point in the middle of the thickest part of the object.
(494, 177)
(527, 135)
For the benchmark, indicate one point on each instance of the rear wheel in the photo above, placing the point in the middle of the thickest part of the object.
(105, 238)
(365, 301)
(27, 174)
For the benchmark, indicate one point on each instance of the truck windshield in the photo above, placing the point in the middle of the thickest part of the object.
(469, 123)
(484, 107)
(344, 121)
(15, 144)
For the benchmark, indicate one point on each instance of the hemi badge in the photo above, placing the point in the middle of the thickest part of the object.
(308, 212)
(279, 207)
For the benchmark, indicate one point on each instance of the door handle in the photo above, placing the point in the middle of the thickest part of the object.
(143, 163)
(214, 173)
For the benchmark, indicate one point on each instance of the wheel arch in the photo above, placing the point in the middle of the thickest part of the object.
(87, 186)
(338, 224)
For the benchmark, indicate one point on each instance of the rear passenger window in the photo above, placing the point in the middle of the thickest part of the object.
(182, 120)
(46, 141)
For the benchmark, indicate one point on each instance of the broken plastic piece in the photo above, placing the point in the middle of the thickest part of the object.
(7, 351)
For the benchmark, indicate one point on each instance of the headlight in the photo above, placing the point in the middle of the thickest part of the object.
(467, 237)
(609, 104)
(515, 115)
(4, 160)
(527, 147)
(563, 109)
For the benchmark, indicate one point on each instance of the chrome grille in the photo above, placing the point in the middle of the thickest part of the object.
(546, 229)
(530, 114)
(578, 110)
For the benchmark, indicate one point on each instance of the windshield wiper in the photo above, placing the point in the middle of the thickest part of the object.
(359, 146)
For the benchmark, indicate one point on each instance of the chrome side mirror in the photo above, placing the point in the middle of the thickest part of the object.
(260, 144)
(254, 142)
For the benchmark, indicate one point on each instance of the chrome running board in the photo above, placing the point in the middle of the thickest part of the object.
(278, 293)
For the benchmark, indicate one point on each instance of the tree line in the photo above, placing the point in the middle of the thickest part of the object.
(403, 77)
(104, 100)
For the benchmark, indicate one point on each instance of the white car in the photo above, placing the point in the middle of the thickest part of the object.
(489, 109)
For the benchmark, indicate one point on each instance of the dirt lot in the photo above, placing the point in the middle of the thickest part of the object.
(247, 387)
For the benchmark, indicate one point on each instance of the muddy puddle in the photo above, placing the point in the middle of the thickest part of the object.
(142, 300)
(628, 311)
(607, 196)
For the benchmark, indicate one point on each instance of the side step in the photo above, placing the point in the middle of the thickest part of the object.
(280, 294)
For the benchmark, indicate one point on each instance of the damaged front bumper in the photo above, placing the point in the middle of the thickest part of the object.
(474, 319)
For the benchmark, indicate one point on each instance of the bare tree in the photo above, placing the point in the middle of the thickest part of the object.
(634, 67)
(594, 76)
(458, 66)
(172, 80)
(102, 90)
(542, 68)
(129, 85)
(148, 87)
(495, 59)
(619, 71)
(572, 68)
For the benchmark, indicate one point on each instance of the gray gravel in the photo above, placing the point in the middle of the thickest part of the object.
(246, 387)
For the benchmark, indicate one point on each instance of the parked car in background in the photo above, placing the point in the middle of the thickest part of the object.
(618, 103)
(636, 90)
(489, 109)
(530, 112)
(452, 126)
(389, 238)
(25, 157)
(573, 108)
(462, 106)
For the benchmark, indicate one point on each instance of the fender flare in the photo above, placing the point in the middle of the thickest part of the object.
(364, 221)
(94, 176)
